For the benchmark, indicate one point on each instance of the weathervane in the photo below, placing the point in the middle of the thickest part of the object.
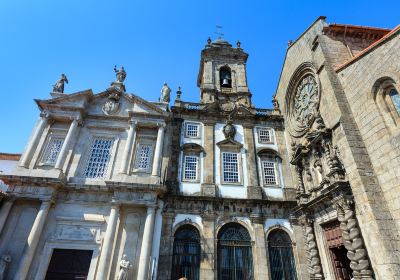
(219, 31)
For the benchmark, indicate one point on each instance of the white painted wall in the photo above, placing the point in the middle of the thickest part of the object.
(234, 191)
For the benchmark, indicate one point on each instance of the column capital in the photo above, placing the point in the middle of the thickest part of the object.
(116, 205)
(161, 125)
(133, 122)
(45, 114)
(151, 208)
(209, 123)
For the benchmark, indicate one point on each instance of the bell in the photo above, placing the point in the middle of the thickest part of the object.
(225, 82)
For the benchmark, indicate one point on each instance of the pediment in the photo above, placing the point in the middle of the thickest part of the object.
(76, 100)
(229, 143)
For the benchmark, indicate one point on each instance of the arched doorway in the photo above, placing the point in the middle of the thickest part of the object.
(235, 258)
(281, 258)
(186, 254)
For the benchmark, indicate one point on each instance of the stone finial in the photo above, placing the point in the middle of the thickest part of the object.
(58, 87)
(165, 93)
(289, 43)
(178, 94)
(209, 41)
(238, 43)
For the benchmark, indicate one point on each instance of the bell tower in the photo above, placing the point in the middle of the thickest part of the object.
(222, 76)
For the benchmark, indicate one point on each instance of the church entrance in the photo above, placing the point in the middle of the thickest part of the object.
(337, 251)
(68, 264)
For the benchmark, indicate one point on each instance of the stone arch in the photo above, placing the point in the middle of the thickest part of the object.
(185, 222)
(225, 222)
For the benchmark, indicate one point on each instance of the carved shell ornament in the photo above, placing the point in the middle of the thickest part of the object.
(304, 105)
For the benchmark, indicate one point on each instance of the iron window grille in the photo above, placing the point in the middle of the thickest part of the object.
(269, 172)
(230, 167)
(143, 157)
(235, 258)
(190, 168)
(281, 257)
(52, 150)
(186, 253)
(99, 158)
(264, 135)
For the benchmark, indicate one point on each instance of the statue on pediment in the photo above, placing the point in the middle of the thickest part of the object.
(59, 85)
(120, 74)
(165, 93)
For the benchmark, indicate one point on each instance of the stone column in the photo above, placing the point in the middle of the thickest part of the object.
(208, 186)
(158, 150)
(4, 211)
(32, 242)
(260, 250)
(71, 132)
(108, 242)
(145, 250)
(128, 147)
(207, 261)
(253, 189)
(27, 156)
(315, 268)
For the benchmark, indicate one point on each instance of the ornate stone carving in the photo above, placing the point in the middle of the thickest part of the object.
(315, 268)
(229, 131)
(165, 93)
(5, 261)
(305, 103)
(59, 85)
(120, 75)
(124, 266)
(352, 239)
(111, 106)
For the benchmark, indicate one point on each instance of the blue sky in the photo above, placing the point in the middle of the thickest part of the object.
(155, 41)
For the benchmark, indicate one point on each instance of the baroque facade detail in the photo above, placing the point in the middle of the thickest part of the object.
(216, 189)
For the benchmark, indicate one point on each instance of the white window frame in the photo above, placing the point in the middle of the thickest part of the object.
(47, 149)
(193, 124)
(89, 153)
(271, 135)
(238, 168)
(140, 143)
(274, 168)
(197, 169)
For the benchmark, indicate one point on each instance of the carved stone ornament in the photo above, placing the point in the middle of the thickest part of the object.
(111, 106)
(229, 131)
(303, 104)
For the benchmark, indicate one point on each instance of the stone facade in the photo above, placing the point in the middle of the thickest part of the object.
(218, 189)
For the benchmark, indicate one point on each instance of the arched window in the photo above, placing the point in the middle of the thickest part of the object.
(395, 97)
(186, 258)
(235, 258)
(225, 77)
(281, 258)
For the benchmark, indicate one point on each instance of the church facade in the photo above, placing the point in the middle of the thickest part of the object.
(112, 186)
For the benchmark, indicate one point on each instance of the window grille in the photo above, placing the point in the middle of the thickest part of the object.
(230, 167)
(394, 95)
(52, 150)
(281, 258)
(269, 172)
(192, 130)
(186, 254)
(99, 157)
(235, 259)
(190, 171)
(143, 156)
(264, 136)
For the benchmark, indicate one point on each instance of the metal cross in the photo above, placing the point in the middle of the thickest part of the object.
(219, 31)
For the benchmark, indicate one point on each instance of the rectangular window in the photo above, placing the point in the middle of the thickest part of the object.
(269, 172)
(190, 170)
(264, 136)
(143, 157)
(192, 130)
(230, 167)
(100, 155)
(52, 150)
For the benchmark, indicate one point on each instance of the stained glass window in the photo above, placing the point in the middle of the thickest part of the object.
(99, 157)
(394, 95)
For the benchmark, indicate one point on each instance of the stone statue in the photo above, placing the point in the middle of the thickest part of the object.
(4, 262)
(59, 86)
(120, 75)
(165, 93)
(124, 267)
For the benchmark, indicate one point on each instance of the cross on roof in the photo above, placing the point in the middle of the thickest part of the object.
(219, 31)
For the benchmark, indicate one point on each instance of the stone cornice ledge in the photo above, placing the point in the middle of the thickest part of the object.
(33, 181)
